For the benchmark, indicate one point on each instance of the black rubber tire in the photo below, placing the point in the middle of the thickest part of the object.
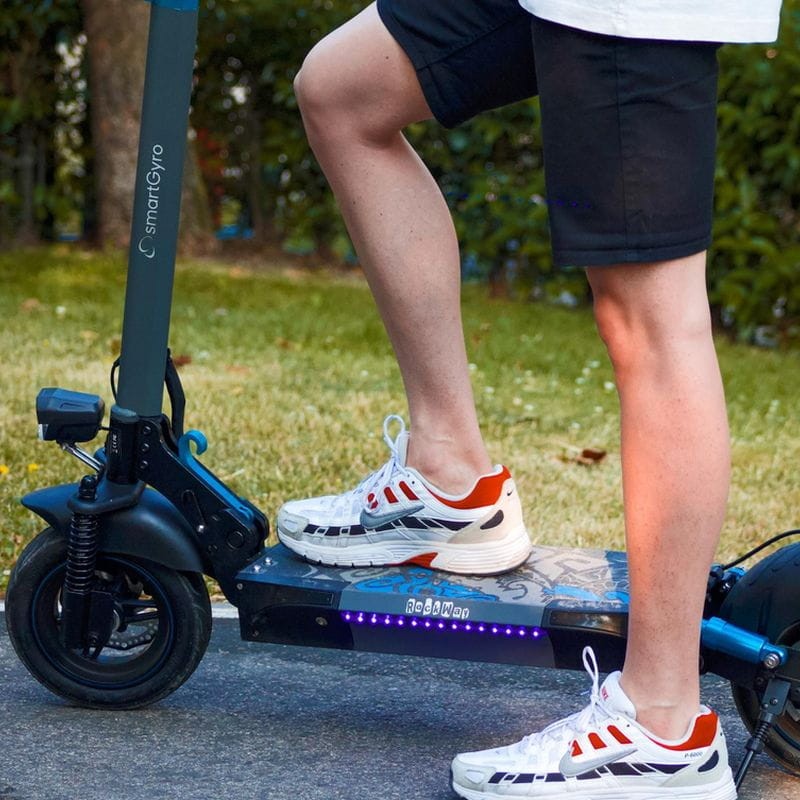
(766, 600)
(783, 741)
(148, 672)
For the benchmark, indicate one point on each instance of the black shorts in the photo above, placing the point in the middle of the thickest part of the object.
(628, 125)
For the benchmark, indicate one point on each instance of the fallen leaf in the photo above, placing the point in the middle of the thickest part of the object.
(586, 456)
(31, 304)
(589, 456)
(181, 360)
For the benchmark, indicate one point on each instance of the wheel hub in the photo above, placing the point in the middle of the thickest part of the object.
(127, 639)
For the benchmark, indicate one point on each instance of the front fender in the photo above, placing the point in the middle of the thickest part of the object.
(152, 529)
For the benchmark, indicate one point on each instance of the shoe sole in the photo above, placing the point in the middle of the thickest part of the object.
(478, 558)
(722, 790)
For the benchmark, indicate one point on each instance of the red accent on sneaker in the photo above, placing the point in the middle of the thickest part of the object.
(390, 495)
(597, 742)
(407, 491)
(576, 749)
(702, 735)
(619, 735)
(486, 492)
(422, 560)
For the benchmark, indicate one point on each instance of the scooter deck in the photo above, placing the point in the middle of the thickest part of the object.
(541, 614)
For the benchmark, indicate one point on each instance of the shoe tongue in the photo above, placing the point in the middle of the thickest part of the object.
(614, 699)
(401, 447)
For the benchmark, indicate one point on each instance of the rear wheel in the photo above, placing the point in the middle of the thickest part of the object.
(160, 626)
(783, 741)
(766, 600)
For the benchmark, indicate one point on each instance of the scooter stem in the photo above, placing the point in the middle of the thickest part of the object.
(156, 206)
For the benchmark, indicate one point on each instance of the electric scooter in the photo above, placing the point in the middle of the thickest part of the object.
(108, 608)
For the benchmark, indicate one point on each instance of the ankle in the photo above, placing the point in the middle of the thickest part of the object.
(669, 723)
(447, 464)
(665, 717)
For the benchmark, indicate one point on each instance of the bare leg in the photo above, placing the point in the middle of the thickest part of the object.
(356, 90)
(655, 321)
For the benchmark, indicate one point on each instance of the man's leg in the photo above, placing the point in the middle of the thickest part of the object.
(655, 321)
(357, 89)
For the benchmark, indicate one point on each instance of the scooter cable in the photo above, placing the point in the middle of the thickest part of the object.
(786, 534)
(114, 368)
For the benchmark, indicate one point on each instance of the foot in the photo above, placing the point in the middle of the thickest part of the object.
(602, 752)
(394, 516)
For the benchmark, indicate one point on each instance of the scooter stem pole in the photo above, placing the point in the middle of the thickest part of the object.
(157, 201)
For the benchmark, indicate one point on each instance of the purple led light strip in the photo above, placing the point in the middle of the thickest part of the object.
(434, 624)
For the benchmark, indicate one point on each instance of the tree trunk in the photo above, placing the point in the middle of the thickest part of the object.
(197, 226)
(90, 232)
(6, 182)
(116, 33)
(26, 234)
(45, 181)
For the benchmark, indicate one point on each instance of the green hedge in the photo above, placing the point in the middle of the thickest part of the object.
(490, 168)
(755, 268)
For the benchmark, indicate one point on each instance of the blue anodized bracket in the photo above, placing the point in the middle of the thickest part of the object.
(176, 5)
(717, 634)
(191, 463)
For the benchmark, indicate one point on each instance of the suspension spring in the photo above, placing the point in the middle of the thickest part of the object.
(772, 705)
(759, 736)
(81, 559)
(82, 544)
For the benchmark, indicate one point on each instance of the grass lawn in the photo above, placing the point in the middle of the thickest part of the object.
(290, 376)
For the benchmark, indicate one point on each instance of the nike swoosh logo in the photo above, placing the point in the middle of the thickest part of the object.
(570, 768)
(376, 520)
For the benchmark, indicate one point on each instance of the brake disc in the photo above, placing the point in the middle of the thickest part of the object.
(129, 638)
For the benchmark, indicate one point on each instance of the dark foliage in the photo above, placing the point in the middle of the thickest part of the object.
(262, 175)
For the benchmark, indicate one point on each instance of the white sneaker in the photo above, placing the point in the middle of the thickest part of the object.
(394, 516)
(602, 752)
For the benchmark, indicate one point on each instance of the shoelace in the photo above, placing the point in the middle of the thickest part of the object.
(352, 502)
(561, 733)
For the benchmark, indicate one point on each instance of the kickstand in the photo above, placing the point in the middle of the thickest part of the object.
(772, 705)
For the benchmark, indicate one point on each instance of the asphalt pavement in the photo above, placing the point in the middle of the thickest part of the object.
(272, 722)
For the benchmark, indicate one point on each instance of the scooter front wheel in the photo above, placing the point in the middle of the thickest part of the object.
(161, 624)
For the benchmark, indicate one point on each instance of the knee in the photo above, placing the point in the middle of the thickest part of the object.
(334, 102)
(636, 336)
(312, 90)
(614, 328)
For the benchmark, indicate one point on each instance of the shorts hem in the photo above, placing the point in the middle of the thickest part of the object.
(449, 118)
(433, 96)
(386, 13)
(628, 255)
